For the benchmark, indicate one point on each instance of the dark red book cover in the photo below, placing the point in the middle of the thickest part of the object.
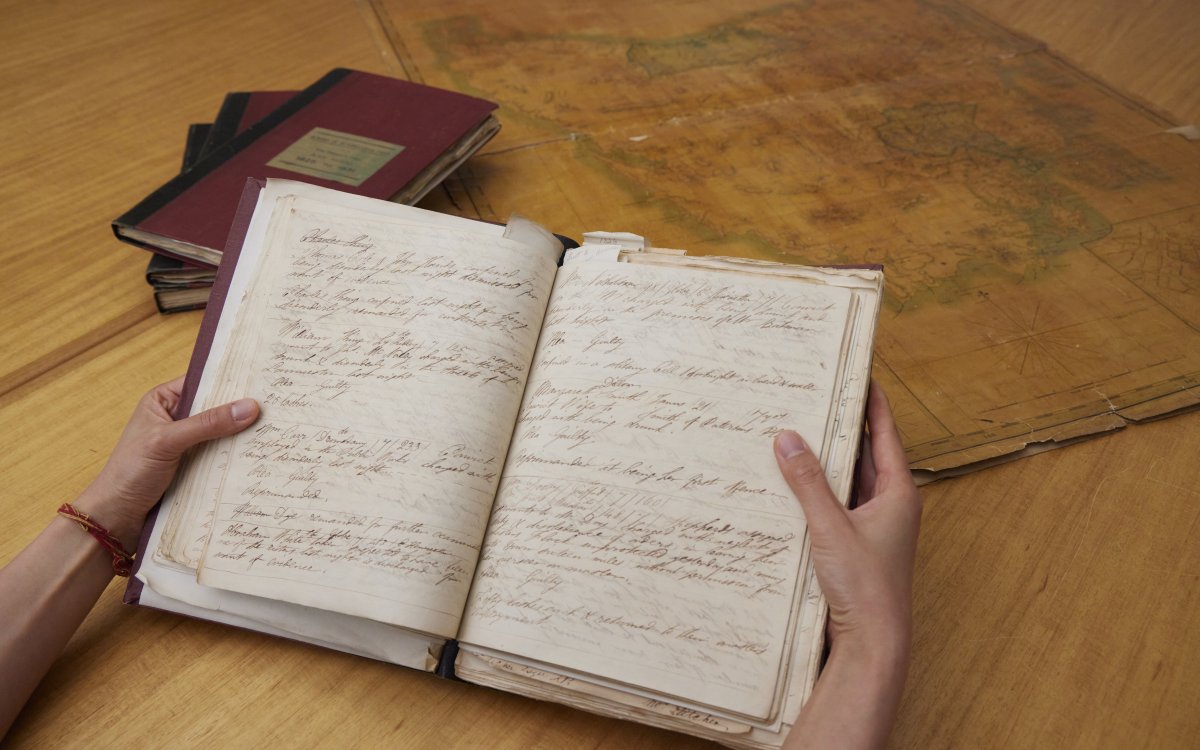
(351, 131)
(259, 104)
(239, 110)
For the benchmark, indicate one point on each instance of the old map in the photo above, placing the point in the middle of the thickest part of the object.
(1040, 232)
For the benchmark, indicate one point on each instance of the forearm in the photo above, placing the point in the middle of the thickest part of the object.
(45, 593)
(47, 590)
(854, 702)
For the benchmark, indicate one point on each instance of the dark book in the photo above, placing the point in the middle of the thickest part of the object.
(178, 286)
(193, 147)
(358, 132)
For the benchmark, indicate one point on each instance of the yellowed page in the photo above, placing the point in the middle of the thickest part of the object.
(642, 532)
(188, 506)
(390, 359)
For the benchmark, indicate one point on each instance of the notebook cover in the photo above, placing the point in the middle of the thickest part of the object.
(198, 206)
(238, 112)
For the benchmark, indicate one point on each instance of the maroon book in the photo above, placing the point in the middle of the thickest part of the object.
(351, 131)
(175, 280)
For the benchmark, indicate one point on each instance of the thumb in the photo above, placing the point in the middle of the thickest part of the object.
(219, 421)
(802, 470)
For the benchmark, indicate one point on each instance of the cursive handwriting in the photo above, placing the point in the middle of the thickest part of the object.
(642, 531)
(389, 362)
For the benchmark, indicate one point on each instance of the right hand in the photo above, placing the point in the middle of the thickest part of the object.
(864, 557)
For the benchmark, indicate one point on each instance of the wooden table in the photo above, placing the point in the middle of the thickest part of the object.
(1058, 597)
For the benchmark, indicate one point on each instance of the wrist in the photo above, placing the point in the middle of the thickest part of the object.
(880, 658)
(857, 695)
(107, 509)
(879, 632)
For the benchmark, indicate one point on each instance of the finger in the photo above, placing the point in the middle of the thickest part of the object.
(803, 473)
(219, 421)
(886, 449)
(167, 395)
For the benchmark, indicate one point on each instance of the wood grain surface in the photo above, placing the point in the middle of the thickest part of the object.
(1058, 597)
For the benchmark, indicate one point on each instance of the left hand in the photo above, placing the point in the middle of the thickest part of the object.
(148, 453)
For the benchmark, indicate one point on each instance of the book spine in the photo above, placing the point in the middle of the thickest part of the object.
(225, 126)
(445, 665)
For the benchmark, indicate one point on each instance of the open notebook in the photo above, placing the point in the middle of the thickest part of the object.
(553, 480)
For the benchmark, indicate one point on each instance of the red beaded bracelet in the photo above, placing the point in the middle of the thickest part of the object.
(122, 561)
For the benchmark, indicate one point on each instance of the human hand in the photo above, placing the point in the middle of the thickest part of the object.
(864, 563)
(864, 557)
(146, 457)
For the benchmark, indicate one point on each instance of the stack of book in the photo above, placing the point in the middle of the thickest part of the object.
(357, 132)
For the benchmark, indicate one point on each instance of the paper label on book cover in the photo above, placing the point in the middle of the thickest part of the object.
(333, 155)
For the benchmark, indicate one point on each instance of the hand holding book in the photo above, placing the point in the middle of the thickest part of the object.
(864, 561)
(48, 589)
(866, 567)
(548, 480)
(144, 460)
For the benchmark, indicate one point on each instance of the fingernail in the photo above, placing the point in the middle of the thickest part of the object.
(789, 444)
(242, 409)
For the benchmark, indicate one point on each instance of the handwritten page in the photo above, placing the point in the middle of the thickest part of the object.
(188, 506)
(642, 533)
(389, 360)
